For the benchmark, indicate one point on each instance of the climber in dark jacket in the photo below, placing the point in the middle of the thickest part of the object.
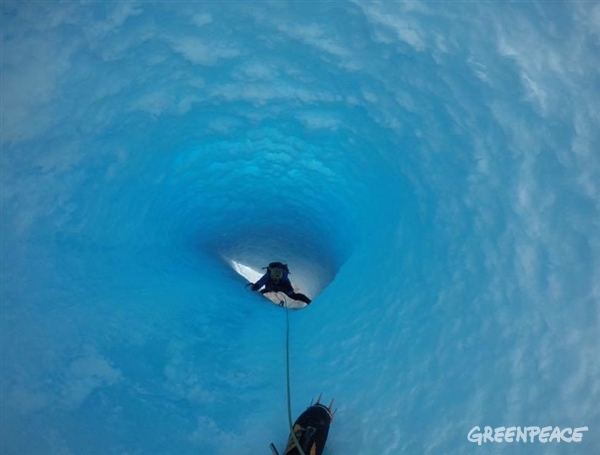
(276, 280)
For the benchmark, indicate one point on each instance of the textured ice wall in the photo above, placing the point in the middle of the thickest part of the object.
(429, 172)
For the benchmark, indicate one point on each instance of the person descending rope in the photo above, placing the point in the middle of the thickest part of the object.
(276, 280)
(310, 430)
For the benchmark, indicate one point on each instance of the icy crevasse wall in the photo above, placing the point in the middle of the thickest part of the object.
(429, 172)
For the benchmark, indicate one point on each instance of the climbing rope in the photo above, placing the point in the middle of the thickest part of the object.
(287, 370)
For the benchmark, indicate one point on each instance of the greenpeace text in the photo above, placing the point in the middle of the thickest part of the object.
(518, 434)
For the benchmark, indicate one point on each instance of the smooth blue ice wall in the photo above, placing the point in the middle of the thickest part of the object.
(429, 171)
